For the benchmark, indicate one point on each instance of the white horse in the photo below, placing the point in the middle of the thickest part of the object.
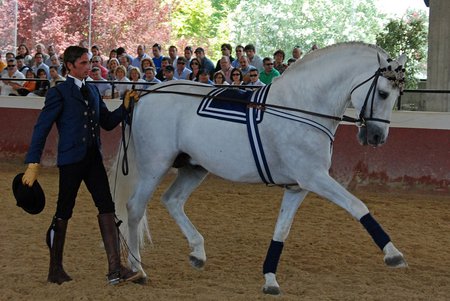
(291, 146)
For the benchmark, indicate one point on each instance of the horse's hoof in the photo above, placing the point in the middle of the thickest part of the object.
(142, 280)
(396, 262)
(197, 263)
(271, 290)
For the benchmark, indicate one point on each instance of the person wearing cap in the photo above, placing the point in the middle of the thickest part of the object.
(78, 111)
(168, 73)
(206, 62)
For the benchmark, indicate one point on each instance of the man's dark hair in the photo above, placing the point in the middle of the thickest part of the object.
(120, 51)
(157, 46)
(72, 53)
(227, 46)
(249, 47)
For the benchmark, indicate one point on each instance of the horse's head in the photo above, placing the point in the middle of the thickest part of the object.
(375, 103)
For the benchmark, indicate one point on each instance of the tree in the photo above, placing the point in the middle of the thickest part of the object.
(407, 35)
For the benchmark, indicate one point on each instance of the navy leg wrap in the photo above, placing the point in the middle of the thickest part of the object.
(378, 235)
(272, 257)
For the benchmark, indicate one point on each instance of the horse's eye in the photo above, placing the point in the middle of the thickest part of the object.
(383, 94)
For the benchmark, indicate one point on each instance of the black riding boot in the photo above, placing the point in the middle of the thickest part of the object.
(56, 236)
(110, 233)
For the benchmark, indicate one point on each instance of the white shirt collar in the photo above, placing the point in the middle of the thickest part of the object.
(78, 82)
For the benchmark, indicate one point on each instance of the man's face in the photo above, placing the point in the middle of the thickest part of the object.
(187, 54)
(96, 75)
(268, 66)
(80, 68)
(239, 51)
(53, 73)
(50, 50)
(224, 64)
(225, 51)
(19, 63)
(250, 53)
(164, 64)
(140, 50)
(296, 53)
(123, 61)
(203, 78)
(149, 75)
(180, 65)
(156, 52)
(39, 49)
(172, 52)
(12, 67)
(253, 76)
(199, 54)
(38, 58)
(243, 62)
(168, 74)
(54, 60)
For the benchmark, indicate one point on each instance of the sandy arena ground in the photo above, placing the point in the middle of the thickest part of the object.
(328, 255)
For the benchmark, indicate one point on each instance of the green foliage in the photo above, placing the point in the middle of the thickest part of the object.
(407, 35)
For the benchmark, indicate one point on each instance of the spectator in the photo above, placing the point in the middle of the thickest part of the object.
(195, 65)
(269, 73)
(219, 78)
(97, 62)
(239, 50)
(314, 47)
(112, 55)
(188, 55)
(28, 86)
(121, 51)
(254, 78)
(297, 53)
(226, 51)
(253, 58)
(42, 86)
(24, 53)
(11, 71)
(237, 77)
(2, 63)
(168, 72)
(206, 62)
(278, 63)
(96, 52)
(121, 76)
(150, 76)
(135, 77)
(51, 51)
(20, 61)
(173, 54)
(55, 76)
(39, 64)
(290, 61)
(164, 63)
(157, 56)
(245, 68)
(181, 72)
(54, 61)
(225, 67)
(146, 63)
(203, 77)
(39, 48)
(112, 66)
(96, 75)
(125, 61)
(140, 56)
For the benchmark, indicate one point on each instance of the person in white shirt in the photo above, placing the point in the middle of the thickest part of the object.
(6, 86)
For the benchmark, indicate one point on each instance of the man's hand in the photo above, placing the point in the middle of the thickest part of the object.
(31, 174)
(130, 96)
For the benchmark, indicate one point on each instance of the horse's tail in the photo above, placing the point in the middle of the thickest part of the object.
(123, 186)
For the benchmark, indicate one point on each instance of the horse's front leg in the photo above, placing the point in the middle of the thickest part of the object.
(291, 201)
(188, 178)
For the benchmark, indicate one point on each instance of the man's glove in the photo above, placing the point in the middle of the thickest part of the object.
(130, 96)
(31, 174)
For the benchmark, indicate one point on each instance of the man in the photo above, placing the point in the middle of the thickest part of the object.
(39, 64)
(39, 48)
(173, 54)
(188, 56)
(140, 56)
(164, 63)
(97, 63)
(96, 75)
(245, 68)
(226, 68)
(78, 111)
(9, 87)
(206, 62)
(150, 77)
(20, 61)
(168, 72)
(2, 63)
(226, 51)
(51, 51)
(182, 72)
(253, 58)
(239, 50)
(125, 61)
(55, 76)
(269, 73)
(157, 56)
(254, 78)
(296, 53)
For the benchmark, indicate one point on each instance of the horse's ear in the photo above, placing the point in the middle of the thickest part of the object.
(402, 59)
(382, 61)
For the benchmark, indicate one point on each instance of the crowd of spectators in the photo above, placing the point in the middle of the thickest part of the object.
(243, 67)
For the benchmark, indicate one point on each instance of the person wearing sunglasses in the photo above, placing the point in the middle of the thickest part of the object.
(6, 86)
(182, 72)
(97, 62)
(269, 72)
(236, 77)
(254, 78)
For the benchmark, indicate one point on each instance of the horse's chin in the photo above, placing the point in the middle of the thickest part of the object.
(371, 135)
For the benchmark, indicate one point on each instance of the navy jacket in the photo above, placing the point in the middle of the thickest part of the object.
(77, 127)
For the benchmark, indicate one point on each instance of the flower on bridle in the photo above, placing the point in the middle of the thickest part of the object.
(395, 76)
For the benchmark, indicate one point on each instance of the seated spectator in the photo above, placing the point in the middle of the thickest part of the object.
(135, 77)
(97, 62)
(226, 51)
(278, 62)
(253, 58)
(140, 51)
(20, 61)
(236, 77)
(2, 63)
(195, 65)
(268, 73)
(157, 57)
(125, 61)
(96, 75)
(28, 86)
(150, 76)
(254, 78)
(54, 61)
(203, 77)
(42, 86)
(181, 72)
(245, 68)
(164, 63)
(112, 66)
(24, 53)
(11, 71)
(55, 77)
(168, 72)
(225, 67)
(121, 76)
(147, 63)
(219, 78)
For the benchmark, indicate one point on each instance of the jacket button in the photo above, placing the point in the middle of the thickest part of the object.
(85, 113)
(85, 126)
(84, 139)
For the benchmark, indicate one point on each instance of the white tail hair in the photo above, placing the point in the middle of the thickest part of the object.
(122, 188)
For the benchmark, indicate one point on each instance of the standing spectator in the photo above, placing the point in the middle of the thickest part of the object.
(168, 72)
(253, 58)
(225, 67)
(54, 61)
(24, 53)
(226, 51)
(121, 51)
(269, 73)
(96, 75)
(39, 64)
(125, 61)
(239, 50)
(79, 160)
(278, 62)
(164, 63)
(96, 62)
(55, 77)
(254, 78)
(51, 51)
(157, 56)
(206, 62)
(188, 56)
(237, 77)
(6, 86)
(173, 54)
(297, 53)
(140, 56)
(182, 72)
(195, 65)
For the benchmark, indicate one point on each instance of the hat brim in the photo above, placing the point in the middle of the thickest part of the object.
(31, 199)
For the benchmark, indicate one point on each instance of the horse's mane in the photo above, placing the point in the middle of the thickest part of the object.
(312, 55)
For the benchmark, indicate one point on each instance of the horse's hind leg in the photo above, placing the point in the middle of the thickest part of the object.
(289, 206)
(189, 177)
(327, 187)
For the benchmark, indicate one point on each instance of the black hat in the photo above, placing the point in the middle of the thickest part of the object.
(31, 199)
